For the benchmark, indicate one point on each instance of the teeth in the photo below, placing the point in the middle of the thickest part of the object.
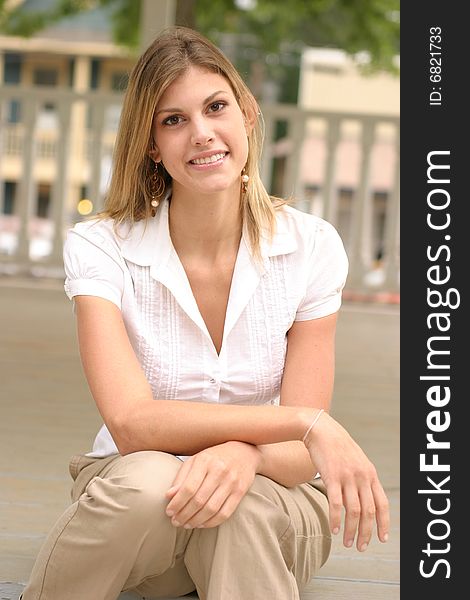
(208, 159)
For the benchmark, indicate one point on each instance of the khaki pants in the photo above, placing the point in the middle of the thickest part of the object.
(116, 536)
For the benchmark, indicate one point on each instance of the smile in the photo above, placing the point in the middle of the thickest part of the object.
(209, 159)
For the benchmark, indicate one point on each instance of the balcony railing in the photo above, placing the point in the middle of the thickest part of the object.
(343, 167)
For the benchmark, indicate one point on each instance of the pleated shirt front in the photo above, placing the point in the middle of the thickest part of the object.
(300, 276)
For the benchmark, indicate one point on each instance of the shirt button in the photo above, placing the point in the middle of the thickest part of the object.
(212, 380)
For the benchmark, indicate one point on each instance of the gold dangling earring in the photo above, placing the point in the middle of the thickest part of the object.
(157, 187)
(245, 180)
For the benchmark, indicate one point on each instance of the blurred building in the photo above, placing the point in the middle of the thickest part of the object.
(75, 56)
(346, 115)
(336, 152)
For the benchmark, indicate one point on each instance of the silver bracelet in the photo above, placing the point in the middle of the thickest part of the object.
(317, 416)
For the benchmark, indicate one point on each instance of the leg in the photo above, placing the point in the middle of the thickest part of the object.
(273, 544)
(115, 535)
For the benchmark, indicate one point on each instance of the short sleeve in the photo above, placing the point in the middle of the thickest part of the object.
(326, 275)
(90, 271)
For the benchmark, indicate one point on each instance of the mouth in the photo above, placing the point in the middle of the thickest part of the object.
(217, 157)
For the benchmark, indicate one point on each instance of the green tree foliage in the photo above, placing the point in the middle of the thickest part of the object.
(15, 19)
(270, 27)
(370, 26)
(264, 39)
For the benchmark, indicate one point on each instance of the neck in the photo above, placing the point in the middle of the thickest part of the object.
(208, 226)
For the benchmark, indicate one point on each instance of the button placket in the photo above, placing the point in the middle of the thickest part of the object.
(211, 372)
(223, 377)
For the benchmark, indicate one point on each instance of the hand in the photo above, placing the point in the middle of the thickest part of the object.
(351, 481)
(210, 484)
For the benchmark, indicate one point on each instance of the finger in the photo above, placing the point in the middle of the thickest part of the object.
(209, 491)
(211, 482)
(211, 507)
(382, 511)
(335, 501)
(218, 484)
(180, 477)
(224, 512)
(367, 518)
(170, 494)
(187, 489)
(353, 513)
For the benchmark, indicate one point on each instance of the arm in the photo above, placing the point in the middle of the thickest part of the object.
(136, 422)
(307, 381)
(351, 479)
(221, 470)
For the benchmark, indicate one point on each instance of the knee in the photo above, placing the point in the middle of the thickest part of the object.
(135, 487)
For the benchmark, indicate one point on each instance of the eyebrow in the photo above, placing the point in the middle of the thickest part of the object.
(208, 99)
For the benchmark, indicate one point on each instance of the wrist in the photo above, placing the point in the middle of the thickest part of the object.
(305, 416)
(251, 450)
(261, 464)
(308, 421)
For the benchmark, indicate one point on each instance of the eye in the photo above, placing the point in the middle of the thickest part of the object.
(172, 120)
(217, 106)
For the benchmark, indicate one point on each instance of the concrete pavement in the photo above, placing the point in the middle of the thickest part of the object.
(47, 414)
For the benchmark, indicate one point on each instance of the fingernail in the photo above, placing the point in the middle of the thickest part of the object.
(385, 537)
(188, 526)
(336, 530)
(363, 547)
(349, 543)
(170, 513)
(175, 523)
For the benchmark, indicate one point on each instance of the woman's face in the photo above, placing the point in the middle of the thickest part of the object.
(200, 133)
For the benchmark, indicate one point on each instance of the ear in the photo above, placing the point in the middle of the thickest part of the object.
(154, 154)
(250, 117)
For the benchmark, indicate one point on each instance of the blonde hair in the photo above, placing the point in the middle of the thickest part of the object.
(167, 58)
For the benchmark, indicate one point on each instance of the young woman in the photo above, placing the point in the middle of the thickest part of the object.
(206, 316)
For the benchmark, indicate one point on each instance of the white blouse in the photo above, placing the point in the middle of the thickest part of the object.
(301, 276)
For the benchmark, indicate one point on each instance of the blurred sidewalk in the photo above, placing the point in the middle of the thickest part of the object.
(47, 414)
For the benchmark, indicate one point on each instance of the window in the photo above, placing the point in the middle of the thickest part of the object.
(13, 114)
(71, 71)
(12, 68)
(380, 199)
(95, 73)
(47, 117)
(9, 197)
(43, 200)
(45, 77)
(346, 199)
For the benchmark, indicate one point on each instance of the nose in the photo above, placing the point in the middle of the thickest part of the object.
(201, 134)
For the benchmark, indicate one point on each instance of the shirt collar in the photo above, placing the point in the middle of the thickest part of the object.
(148, 242)
(283, 241)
